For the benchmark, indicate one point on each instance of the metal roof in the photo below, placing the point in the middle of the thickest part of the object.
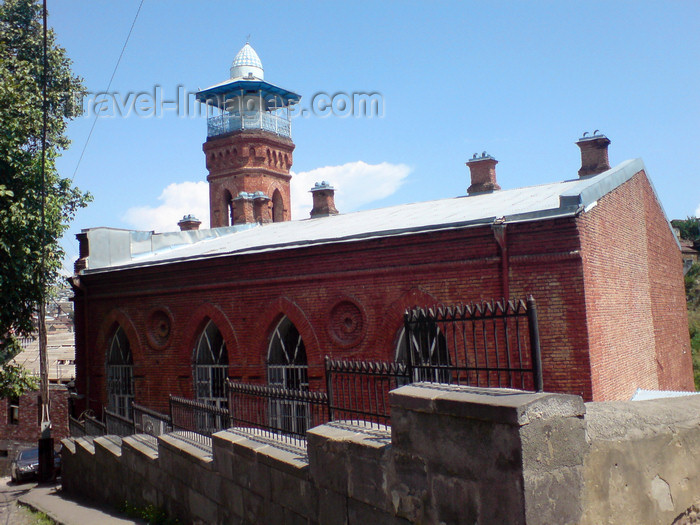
(219, 93)
(121, 249)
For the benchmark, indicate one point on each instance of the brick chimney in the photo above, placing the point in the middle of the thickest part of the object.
(262, 208)
(324, 200)
(189, 222)
(243, 212)
(483, 174)
(594, 154)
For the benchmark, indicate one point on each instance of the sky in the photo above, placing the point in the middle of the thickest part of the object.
(519, 80)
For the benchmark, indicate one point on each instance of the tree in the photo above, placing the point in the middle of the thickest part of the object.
(23, 242)
(689, 228)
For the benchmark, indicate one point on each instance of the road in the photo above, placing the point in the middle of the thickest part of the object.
(10, 512)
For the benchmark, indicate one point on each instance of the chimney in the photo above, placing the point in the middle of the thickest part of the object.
(594, 154)
(483, 174)
(262, 210)
(324, 200)
(83, 250)
(243, 212)
(189, 222)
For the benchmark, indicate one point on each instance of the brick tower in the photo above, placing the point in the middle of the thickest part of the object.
(249, 146)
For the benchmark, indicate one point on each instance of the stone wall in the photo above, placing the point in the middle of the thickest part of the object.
(452, 455)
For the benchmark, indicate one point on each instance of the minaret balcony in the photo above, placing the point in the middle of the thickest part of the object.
(262, 120)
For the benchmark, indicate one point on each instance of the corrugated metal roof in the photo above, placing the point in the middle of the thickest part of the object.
(558, 199)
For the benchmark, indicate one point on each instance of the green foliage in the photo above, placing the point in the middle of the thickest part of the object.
(692, 294)
(689, 228)
(15, 380)
(22, 240)
(150, 514)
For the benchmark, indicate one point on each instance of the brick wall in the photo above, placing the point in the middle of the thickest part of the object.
(373, 280)
(25, 433)
(634, 295)
(608, 291)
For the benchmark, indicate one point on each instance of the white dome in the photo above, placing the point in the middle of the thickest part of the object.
(247, 63)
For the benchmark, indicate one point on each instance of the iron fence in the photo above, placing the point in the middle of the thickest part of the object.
(117, 425)
(491, 344)
(94, 427)
(76, 427)
(147, 421)
(276, 412)
(358, 391)
(199, 420)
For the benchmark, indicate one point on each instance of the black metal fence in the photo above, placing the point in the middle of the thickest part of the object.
(116, 425)
(199, 420)
(274, 411)
(93, 426)
(76, 427)
(358, 391)
(489, 344)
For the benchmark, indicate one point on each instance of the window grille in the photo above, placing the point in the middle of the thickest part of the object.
(287, 367)
(430, 355)
(210, 374)
(120, 378)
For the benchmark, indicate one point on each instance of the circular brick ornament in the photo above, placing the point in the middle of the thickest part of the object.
(347, 324)
(159, 328)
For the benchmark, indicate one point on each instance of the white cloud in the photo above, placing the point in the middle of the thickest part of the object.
(356, 184)
(177, 199)
(697, 212)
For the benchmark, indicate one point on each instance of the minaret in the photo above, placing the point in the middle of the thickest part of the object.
(249, 145)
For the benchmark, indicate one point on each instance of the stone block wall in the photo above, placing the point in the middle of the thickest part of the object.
(452, 455)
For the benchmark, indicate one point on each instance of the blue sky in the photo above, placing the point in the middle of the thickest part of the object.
(520, 80)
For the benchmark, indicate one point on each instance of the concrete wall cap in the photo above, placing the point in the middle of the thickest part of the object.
(512, 407)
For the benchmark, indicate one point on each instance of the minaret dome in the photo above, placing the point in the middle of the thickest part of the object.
(247, 64)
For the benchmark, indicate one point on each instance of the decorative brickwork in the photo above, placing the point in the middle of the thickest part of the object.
(248, 162)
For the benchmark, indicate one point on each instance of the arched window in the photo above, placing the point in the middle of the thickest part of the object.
(430, 357)
(277, 207)
(211, 367)
(120, 375)
(228, 209)
(287, 367)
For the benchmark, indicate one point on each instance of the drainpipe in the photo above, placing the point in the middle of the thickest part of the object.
(499, 233)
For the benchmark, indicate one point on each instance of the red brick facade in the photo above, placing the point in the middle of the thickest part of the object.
(250, 161)
(608, 285)
(634, 295)
(25, 432)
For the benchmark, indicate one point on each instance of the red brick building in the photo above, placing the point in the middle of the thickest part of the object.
(20, 422)
(261, 298)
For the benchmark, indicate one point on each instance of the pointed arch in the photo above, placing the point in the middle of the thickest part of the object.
(392, 316)
(228, 209)
(270, 318)
(210, 367)
(120, 373)
(277, 206)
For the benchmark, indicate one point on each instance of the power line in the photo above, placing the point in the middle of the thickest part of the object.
(109, 85)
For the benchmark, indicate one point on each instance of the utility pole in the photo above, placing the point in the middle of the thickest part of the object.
(46, 465)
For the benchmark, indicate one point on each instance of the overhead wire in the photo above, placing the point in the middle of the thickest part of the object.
(109, 85)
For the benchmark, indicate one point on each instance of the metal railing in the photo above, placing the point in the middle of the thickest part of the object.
(358, 391)
(199, 419)
(118, 425)
(147, 421)
(276, 412)
(489, 344)
(220, 124)
(94, 427)
(76, 427)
